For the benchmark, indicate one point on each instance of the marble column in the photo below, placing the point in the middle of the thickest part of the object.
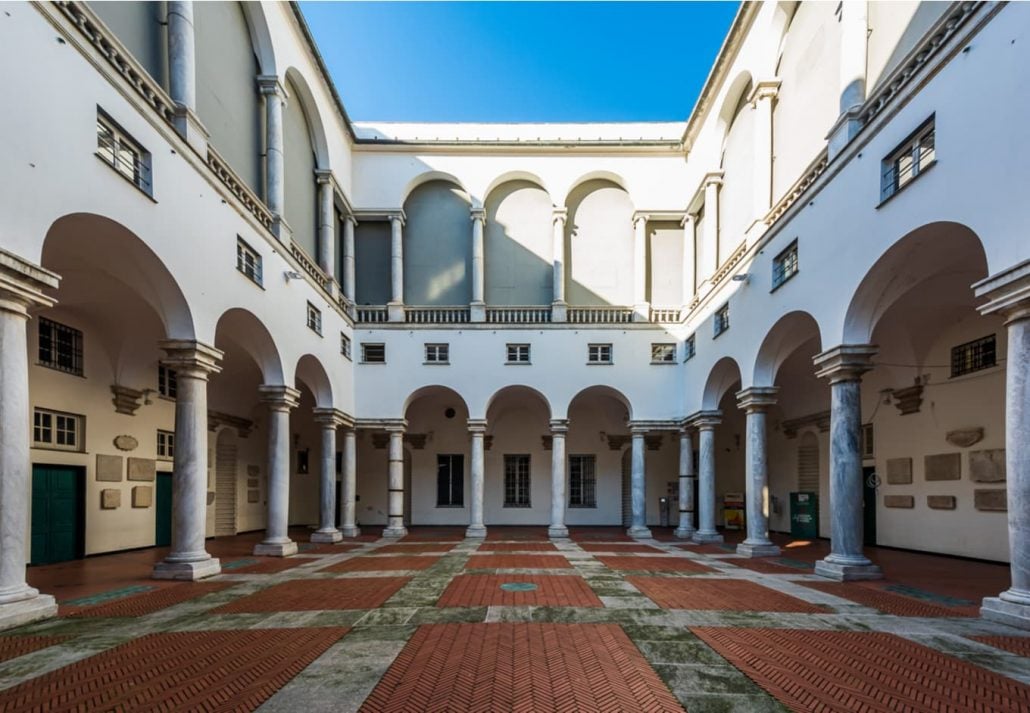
(843, 366)
(280, 400)
(396, 304)
(326, 223)
(477, 472)
(762, 97)
(21, 287)
(348, 258)
(275, 173)
(710, 235)
(687, 476)
(478, 306)
(641, 307)
(558, 306)
(853, 58)
(756, 401)
(559, 476)
(349, 485)
(395, 521)
(329, 419)
(689, 255)
(182, 69)
(705, 423)
(1008, 295)
(638, 484)
(193, 362)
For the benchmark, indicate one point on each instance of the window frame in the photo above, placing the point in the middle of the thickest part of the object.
(587, 484)
(142, 168)
(50, 330)
(166, 449)
(365, 346)
(515, 502)
(346, 346)
(690, 347)
(721, 321)
(779, 276)
(454, 486)
(518, 348)
(167, 382)
(913, 148)
(254, 271)
(599, 347)
(972, 361)
(436, 353)
(313, 318)
(668, 347)
(79, 431)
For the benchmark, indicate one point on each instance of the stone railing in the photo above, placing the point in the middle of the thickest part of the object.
(600, 315)
(376, 314)
(666, 315)
(437, 315)
(811, 173)
(518, 315)
(309, 266)
(247, 198)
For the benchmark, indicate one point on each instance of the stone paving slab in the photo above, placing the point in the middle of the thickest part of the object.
(381, 564)
(471, 590)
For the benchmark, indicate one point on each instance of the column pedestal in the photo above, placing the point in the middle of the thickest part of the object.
(705, 424)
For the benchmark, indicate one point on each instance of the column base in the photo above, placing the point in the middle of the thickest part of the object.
(188, 571)
(1001, 611)
(705, 538)
(559, 311)
(395, 532)
(684, 533)
(557, 531)
(350, 531)
(843, 572)
(326, 536)
(477, 312)
(25, 611)
(477, 531)
(639, 533)
(395, 312)
(757, 549)
(275, 549)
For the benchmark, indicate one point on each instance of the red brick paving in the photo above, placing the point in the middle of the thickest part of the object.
(317, 595)
(599, 534)
(762, 565)
(206, 670)
(517, 547)
(517, 562)
(517, 533)
(619, 547)
(331, 549)
(435, 534)
(706, 549)
(859, 671)
(1013, 644)
(520, 667)
(480, 590)
(11, 647)
(382, 564)
(888, 602)
(413, 548)
(271, 565)
(639, 563)
(148, 602)
(719, 594)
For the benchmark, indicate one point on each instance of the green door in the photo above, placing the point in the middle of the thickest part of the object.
(163, 516)
(58, 513)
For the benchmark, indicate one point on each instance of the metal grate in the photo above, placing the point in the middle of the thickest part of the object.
(785, 265)
(123, 154)
(582, 482)
(974, 356)
(915, 155)
(60, 347)
(516, 481)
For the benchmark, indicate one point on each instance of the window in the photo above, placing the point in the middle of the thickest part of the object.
(117, 149)
(516, 481)
(54, 429)
(314, 319)
(165, 444)
(868, 444)
(345, 345)
(248, 261)
(785, 265)
(167, 384)
(689, 348)
(518, 353)
(663, 353)
(599, 354)
(60, 347)
(450, 481)
(437, 353)
(373, 353)
(974, 356)
(916, 154)
(582, 482)
(722, 319)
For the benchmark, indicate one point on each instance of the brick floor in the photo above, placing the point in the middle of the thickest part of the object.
(332, 549)
(710, 549)
(317, 595)
(413, 548)
(435, 534)
(599, 534)
(382, 564)
(11, 647)
(209, 670)
(764, 566)
(514, 532)
(479, 590)
(719, 594)
(149, 602)
(620, 547)
(504, 561)
(517, 547)
(887, 602)
(520, 667)
(1013, 644)
(859, 671)
(638, 563)
(270, 565)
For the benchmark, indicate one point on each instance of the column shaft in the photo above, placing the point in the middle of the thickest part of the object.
(395, 525)
(559, 477)
(640, 302)
(348, 489)
(558, 253)
(1017, 457)
(277, 543)
(854, 39)
(638, 484)
(275, 171)
(348, 258)
(396, 260)
(327, 531)
(686, 483)
(706, 531)
(478, 261)
(757, 543)
(476, 527)
(710, 251)
(182, 73)
(689, 254)
(326, 227)
(764, 95)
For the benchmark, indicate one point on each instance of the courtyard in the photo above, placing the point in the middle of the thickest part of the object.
(435, 621)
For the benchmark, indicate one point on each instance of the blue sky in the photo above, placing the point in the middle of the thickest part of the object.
(519, 61)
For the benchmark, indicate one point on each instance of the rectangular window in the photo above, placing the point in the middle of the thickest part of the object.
(314, 319)
(60, 347)
(450, 481)
(599, 354)
(582, 482)
(868, 444)
(345, 345)
(165, 444)
(974, 356)
(248, 261)
(905, 163)
(167, 385)
(689, 348)
(55, 429)
(663, 353)
(516, 481)
(437, 353)
(785, 265)
(117, 149)
(722, 319)
(518, 353)
(373, 353)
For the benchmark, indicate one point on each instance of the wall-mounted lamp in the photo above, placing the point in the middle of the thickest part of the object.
(292, 275)
(744, 277)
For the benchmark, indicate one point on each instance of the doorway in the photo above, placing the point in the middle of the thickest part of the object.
(869, 483)
(225, 484)
(163, 511)
(58, 513)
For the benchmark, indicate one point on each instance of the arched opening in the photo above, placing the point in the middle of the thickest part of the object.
(599, 244)
(438, 457)
(438, 245)
(736, 203)
(721, 394)
(597, 439)
(311, 379)
(518, 458)
(300, 162)
(518, 249)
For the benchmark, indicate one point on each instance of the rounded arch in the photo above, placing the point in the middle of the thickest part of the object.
(518, 390)
(260, 37)
(438, 245)
(790, 332)
(518, 243)
(736, 94)
(599, 240)
(240, 328)
(606, 391)
(608, 176)
(428, 176)
(721, 378)
(82, 246)
(510, 176)
(435, 390)
(312, 373)
(936, 250)
(316, 128)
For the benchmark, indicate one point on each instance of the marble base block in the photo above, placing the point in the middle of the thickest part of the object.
(705, 538)
(189, 571)
(275, 549)
(639, 533)
(999, 610)
(328, 537)
(759, 549)
(477, 531)
(557, 532)
(25, 611)
(395, 532)
(847, 572)
(684, 533)
(350, 531)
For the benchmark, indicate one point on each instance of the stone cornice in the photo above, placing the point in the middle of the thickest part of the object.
(271, 84)
(284, 397)
(190, 357)
(477, 425)
(846, 362)
(23, 282)
(331, 417)
(757, 398)
(704, 419)
(559, 425)
(672, 216)
(1007, 292)
(766, 89)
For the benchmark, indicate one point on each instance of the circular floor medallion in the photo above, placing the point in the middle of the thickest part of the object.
(518, 586)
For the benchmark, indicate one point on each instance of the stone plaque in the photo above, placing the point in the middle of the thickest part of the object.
(987, 466)
(109, 469)
(940, 502)
(125, 443)
(943, 466)
(965, 437)
(253, 496)
(899, 471)
(142, 469)
(990, 500)
(899, 501)
(252, 483)
(142, 496)
(110, 499)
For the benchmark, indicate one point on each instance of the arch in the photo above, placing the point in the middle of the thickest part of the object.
(595, 176)
(723, 375)
(260, 37)
(514, 176)
(434, 390)
(515, 390)
(87, 243)
(438, 245)
(428, 176)
(790, 332)
(316, 127)
(599, 243)
(603, 390)
(312, 373)
(518, 244)
(934, 250)
(241, 328)
(731, 103)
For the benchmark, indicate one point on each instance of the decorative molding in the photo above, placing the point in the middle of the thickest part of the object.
(820, 420)
(416, 440)
(909, 399)
(653, 441)
(218, 419)
(617, 441)
(547, 441)
(964, 437)
(126, 443)
(126, 401)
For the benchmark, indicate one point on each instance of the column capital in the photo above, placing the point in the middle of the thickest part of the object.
(687, 219)
(712, 178)
(845, 362)
(397, 218)
(478, 214)
(269, 84)
(22, 283)
(1007, 292)
(638, 429)
(765, 89)
(757, 398)
(477, 425)
(191, 358)
(559, 426)
(325, 176)
(640, 217)
(331, 417)
(399, 425)
(349, 218)
(559, 214)
(705, 420)
(279, 397)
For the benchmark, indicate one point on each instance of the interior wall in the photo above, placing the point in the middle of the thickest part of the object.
(438, 245)
(599, 245)
(518, 245)
(736, 196)
(665, 269)
(372, 263)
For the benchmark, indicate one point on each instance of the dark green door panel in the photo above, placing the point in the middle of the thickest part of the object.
(58, 513)
(163, 514)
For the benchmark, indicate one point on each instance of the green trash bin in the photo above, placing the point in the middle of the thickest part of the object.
(804, 516)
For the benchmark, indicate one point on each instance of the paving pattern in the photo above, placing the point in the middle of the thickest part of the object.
(12, 647)
(317, 595)
(477, 590)
(147, 602)
(653, 564)
(1016, 644)
(720, 595)
(518, 562)
(384, 564)
(887, 602)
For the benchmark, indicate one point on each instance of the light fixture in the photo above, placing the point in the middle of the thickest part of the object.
(292, 275)
(744, 277)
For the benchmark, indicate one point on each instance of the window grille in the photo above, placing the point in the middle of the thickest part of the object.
(117, 149)
(785, 265)
(974, 356)
(60, 347)
(663, 353)
(722, 319)
(916, 154)
(373, 353)
(582, 482)
(248, 261)
(516, 481)
(314, 319)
